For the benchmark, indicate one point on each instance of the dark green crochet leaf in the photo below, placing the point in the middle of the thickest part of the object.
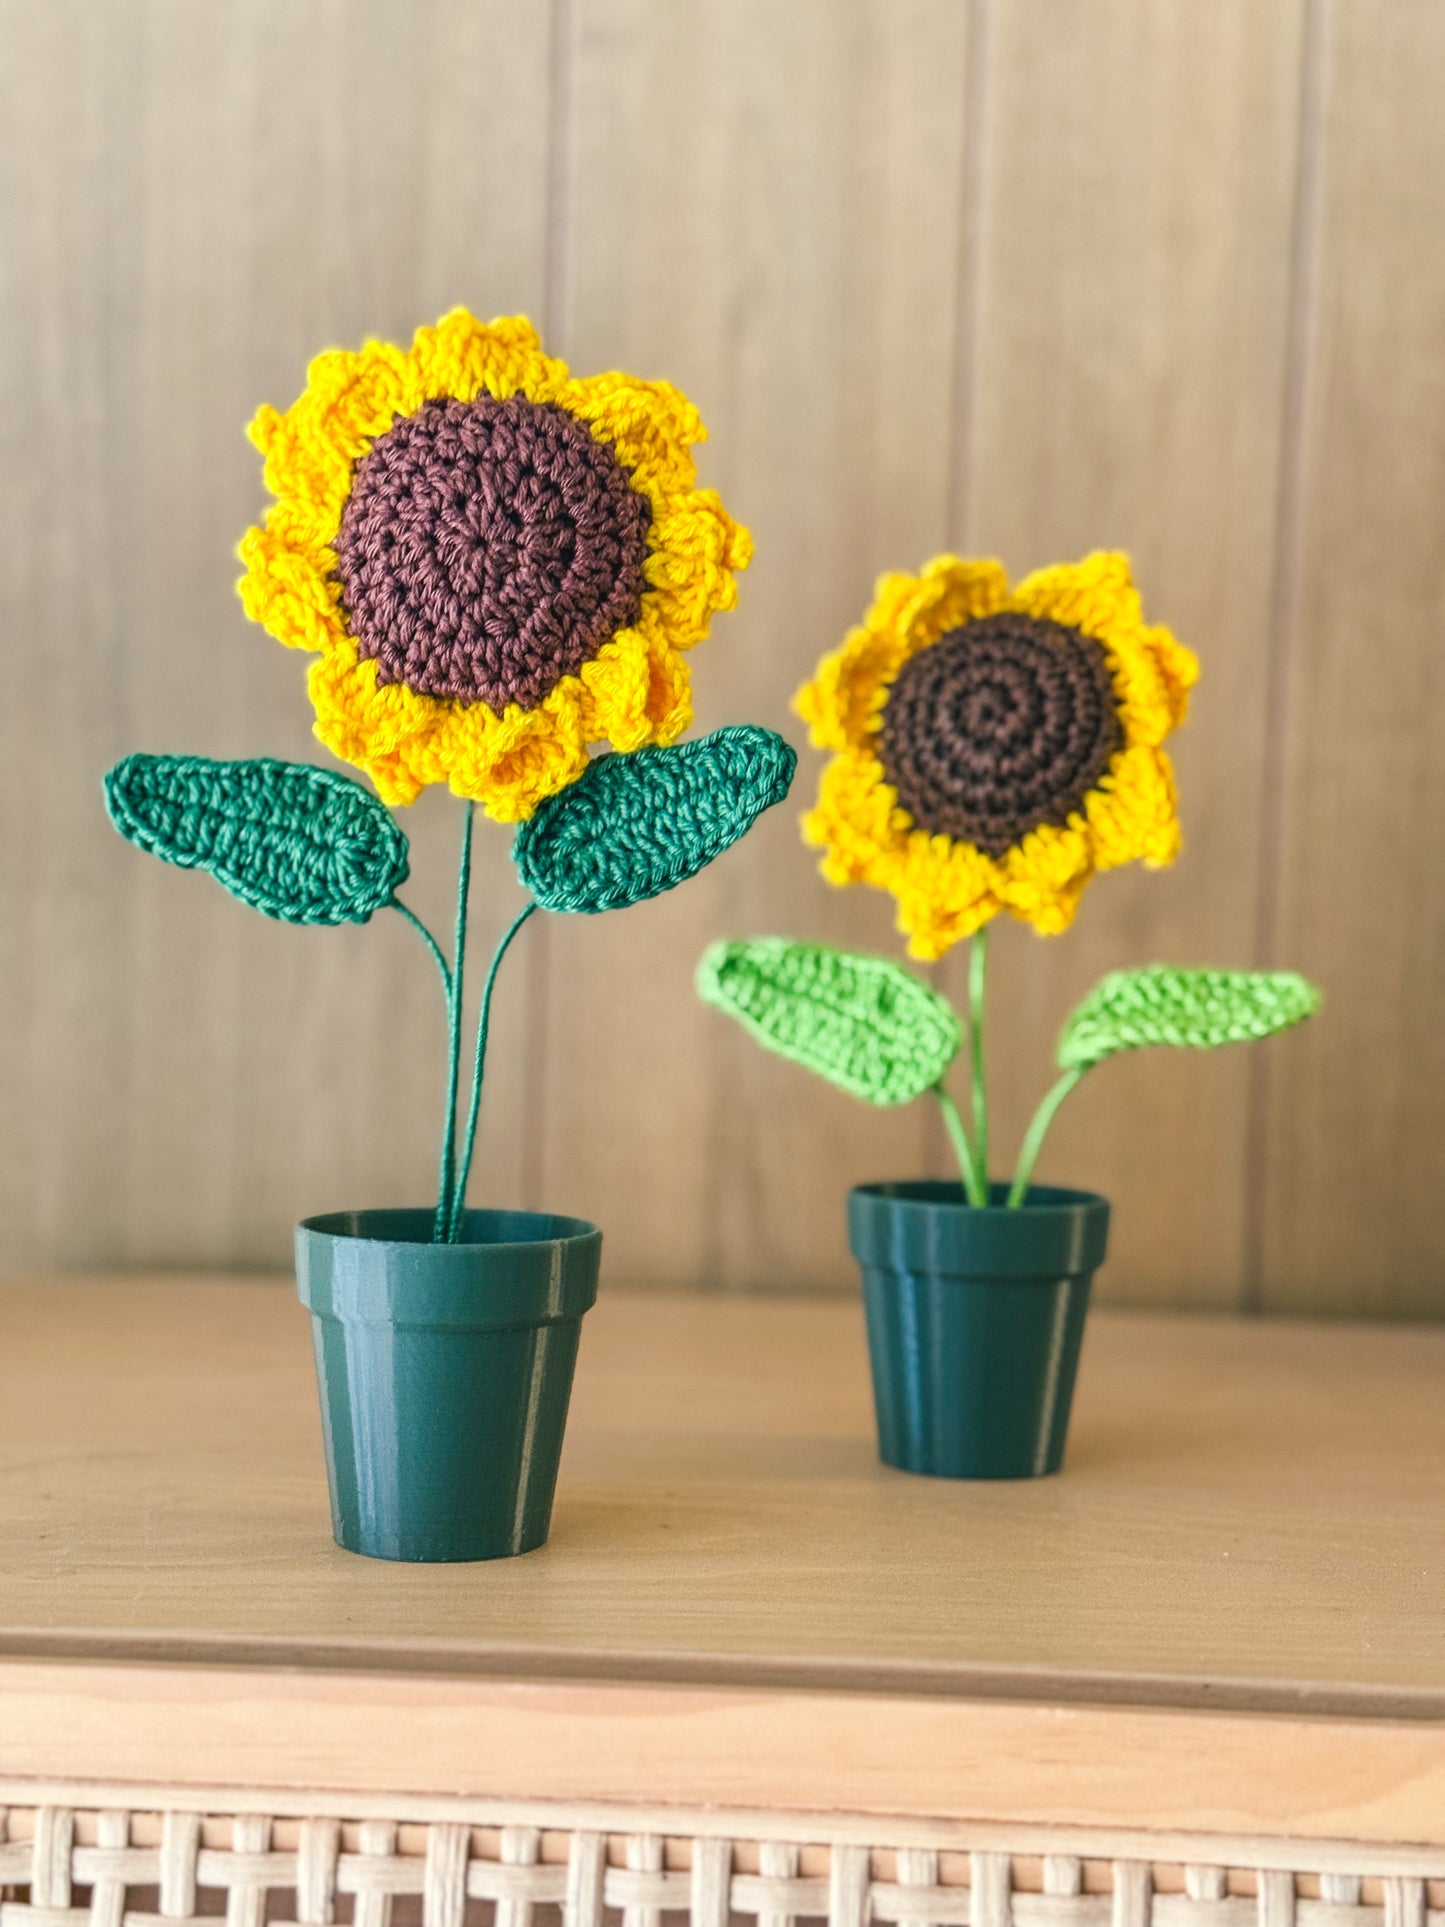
(1196, 1009)
(861, 1022)
(639, 823)
(296, 842)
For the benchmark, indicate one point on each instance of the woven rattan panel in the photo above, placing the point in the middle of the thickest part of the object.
(102, 1866)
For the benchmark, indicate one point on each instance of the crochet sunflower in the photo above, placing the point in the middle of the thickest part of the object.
(993, 748)
(497, 563)
(498, 566)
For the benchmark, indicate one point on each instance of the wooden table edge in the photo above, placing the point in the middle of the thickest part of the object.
(473, 1659)
(643, 1744)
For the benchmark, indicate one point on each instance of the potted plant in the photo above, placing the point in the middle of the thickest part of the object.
(497, 566)
(992, 748)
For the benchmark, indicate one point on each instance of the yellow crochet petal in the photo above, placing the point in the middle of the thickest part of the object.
(948, 592)
(946, 888)
(1179, 668)
(635, 690)
(511, 786)
(1042, 878)
(694, 549)
(510, 764)
(372, 727)
(648, 423)
(350, 398)
(288, 589)
(403, 741)
(614, 691)
(843, 702)
(855, 821)
(1134, 814)
(1152, 671)
(461, 357)
(1090, 595)
(668, 700)
(945, 891)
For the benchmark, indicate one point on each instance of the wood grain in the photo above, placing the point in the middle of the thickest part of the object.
(1224, 1617)
(1011, 277)
(778, 235)
(1092, 1768)
(1131, 366)
(200, 198)
(1250, 1517)
(1355, 1118)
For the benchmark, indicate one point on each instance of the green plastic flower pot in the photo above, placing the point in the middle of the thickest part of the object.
(975, 1320)
(444, 1371)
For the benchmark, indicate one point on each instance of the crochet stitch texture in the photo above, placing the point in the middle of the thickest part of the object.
(299, 843)
(488, 549)
(1005, 779)
(1190, 1009)
(638, 825)
(860, 1021)
(1004, 725)
(512, 479)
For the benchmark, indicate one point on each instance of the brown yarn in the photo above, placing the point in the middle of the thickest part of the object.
(488, 549)
(1003, 725)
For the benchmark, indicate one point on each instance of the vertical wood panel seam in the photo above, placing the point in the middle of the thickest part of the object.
(970, 253)
(557, 269)
(1286, 588)
(561, 143)
(972, 233)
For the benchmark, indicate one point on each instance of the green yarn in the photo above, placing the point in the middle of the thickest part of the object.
(1193, 1009)
(975, 1187)
(977, 984)
(862, 1022)
(479, 1062)
(292, 841)
(1038, 1130)
(638, 824)
(456, 990)
(1190, 1009)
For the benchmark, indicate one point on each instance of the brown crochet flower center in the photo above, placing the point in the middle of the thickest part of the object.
(1001, 726)
(488, 549)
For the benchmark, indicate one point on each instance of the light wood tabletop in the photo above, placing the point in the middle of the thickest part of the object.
(1229, 1609)
(1251, 1513)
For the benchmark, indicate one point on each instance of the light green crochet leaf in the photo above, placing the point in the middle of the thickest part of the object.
(639, 823)
(296, 842)
(861, 1022)
(1196, 1009)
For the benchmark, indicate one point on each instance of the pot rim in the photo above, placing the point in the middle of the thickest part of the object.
(341, 1228)
(483, 1284)
(926, 1225)
(947, 1194)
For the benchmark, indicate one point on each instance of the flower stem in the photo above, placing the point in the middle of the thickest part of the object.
(442, 1221)
(973, 1185)
(432, 945)
(1034, 1137)
(977, 981)
(459, 1192)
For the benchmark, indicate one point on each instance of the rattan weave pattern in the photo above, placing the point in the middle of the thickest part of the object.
(88, 1867)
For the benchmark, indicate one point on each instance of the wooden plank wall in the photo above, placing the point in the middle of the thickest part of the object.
(991, 274)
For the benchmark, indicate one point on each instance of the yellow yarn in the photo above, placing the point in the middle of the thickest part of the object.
(946, 889)
(635, 690)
